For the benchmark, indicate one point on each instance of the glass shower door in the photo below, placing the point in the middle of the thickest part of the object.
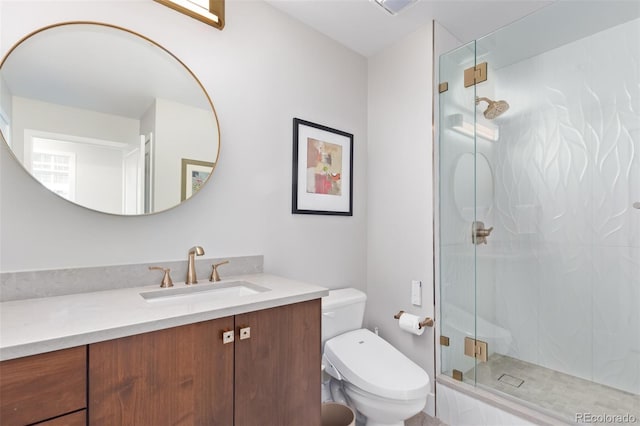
(457, 202)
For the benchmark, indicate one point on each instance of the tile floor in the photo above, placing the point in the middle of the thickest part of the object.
(560, 393)
(422, 419)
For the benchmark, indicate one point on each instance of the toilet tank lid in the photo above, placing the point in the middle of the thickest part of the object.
(342, 297)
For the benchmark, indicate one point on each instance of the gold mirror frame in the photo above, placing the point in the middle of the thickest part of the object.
(153, 43)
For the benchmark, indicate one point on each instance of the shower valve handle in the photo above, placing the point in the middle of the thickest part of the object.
(479, 233)
(484, 232)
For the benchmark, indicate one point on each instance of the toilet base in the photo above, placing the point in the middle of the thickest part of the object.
(381, 411)
(375, 423)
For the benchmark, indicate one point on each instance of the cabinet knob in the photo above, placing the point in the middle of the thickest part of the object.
(245, 333)
(228, 337)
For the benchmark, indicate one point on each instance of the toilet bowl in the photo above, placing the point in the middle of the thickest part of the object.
(379, 381)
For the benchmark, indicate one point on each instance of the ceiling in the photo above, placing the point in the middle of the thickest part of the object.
(366, 28)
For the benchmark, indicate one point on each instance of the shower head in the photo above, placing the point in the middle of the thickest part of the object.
(495, 108)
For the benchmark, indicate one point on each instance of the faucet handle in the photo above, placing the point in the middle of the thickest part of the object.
(214, 271)
(166, 278)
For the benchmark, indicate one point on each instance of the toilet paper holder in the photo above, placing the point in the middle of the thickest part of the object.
(428, 322)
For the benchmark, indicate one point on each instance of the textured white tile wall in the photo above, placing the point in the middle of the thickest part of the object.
(567, 170)
(561, 271)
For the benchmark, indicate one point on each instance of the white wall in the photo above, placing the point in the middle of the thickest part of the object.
(399, 205)
(260, 72)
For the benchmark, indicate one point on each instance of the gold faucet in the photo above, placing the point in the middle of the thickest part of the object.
(191, 267)
(214, 271)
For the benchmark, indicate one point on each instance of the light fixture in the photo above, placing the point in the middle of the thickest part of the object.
(394, 6)
(456, 122)
(208, 11)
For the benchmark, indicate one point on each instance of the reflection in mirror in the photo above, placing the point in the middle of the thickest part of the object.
(473, 186)
(103, 117)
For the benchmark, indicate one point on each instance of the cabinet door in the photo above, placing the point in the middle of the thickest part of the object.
(277, 373)
(39, 387)
(178, 376)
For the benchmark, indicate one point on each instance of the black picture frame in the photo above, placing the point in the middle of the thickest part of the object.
(322, 179)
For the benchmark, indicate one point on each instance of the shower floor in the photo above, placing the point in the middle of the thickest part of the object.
(560, 393)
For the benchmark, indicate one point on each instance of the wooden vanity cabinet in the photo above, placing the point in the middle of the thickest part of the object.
(181, 375)
(270, 374)
(277, 371)
(44, 387)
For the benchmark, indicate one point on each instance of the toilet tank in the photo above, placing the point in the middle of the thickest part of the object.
(342, 311)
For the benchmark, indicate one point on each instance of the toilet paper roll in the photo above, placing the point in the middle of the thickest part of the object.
(410, 323)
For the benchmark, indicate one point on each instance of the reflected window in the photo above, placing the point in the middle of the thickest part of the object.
(83, 170)
(56, 170)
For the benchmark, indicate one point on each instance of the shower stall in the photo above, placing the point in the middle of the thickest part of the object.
(538, 158)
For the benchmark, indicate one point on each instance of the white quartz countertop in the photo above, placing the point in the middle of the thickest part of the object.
(33, 326)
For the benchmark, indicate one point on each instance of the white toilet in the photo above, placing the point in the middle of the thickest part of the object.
(382, 383)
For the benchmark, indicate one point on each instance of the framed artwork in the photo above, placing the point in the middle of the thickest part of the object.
(194, 174)
(322, 170)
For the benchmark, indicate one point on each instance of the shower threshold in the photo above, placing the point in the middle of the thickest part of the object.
(568, 396)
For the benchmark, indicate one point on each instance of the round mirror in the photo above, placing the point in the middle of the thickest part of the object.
(463, 186)
(107, 118)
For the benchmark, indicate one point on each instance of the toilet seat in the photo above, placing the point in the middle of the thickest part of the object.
(369, 362)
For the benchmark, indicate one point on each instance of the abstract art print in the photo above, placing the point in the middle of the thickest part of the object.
(322, 170)
(194, 174)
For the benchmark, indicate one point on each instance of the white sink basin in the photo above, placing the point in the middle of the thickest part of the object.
(195, 292)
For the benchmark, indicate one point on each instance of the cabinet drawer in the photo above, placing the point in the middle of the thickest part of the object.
(43, 386)
(79, 418)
